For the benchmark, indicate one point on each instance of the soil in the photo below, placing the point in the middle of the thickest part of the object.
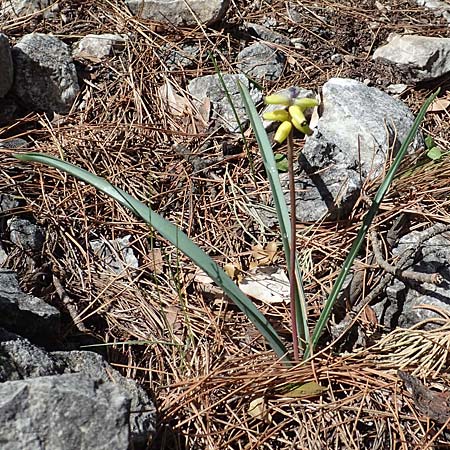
(183, 340)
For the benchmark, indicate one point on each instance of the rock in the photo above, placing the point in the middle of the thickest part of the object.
(66, 412)
(183, 55)
(439, 8)
(116, 254)
(261, 61)
(25, 314)
(423, 58)
(336, 58)
(266, 34)
(431, 256)
(26, 235)
(99, 46)
(177, 12)
(13, 143)
(210, 87)
(332, 164)
(21, 360)
(396, 89)
(45, 76)
(6, 63)
(7, 202)
(18, 8)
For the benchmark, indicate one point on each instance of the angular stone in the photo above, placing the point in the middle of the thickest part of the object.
(210, 87)
(99, 45)
(25, 314)
(438, 7)
(64, 412)
(261, 61)
(25, 234)
(355, 134)
(423, 58)
(266, 34)
(6, 63)
(401, 306)
(18, 8)
(45, 76)
(179, 12)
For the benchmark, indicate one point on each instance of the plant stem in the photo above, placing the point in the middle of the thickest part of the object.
(292, 256)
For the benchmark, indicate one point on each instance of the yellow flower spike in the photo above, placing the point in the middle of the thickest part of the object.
(297, 115)
(279, 115)
(277, 99)
(305, 103)
(303, 127)
(283, 132)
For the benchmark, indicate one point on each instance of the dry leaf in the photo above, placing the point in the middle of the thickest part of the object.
(310, 389)
(174, 103)
(439, 104)
(258, 410)
(435, 405)
(155, 260)
(265, 256)
(234, 271)
(267, 284)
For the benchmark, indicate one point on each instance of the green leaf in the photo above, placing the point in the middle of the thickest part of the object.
(429, 142)
(174, 235)
(281, 162)
(368, 218)
(434, 153)
(281, 208)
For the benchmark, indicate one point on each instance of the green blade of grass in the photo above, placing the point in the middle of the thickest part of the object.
(281, 209)
(368, 218)
(174, 235)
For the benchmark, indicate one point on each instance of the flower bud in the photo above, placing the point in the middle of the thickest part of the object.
(297, 115)
(283, 132)
(306, 103)
(303, 127)
(279, 115)
(277, 99)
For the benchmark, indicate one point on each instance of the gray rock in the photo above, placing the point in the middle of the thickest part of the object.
(438, 7)
(18, 8)
(431, 256)
(178, 12)
(7, 202)
(45, 76)
(423, 58)
(23, 313)
(210, 87)
(261, 61)
(185, 56)
(333, 165)
(6, 63)
(19, 360)
(266, 34)
(142, 412)
(25, 234)
(13, 143)
(99, 45)
(63, 412)
(116, 255)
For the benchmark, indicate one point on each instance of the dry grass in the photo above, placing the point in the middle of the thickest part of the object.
(202, 358)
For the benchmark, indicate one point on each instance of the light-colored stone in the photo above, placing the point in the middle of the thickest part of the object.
(438, 7)
(18, 8)
(179, 12)
(260, 61)
(45, 76)
(422, 57)
(6, 64)
(210, 87)
(99, 45)
(355, 134)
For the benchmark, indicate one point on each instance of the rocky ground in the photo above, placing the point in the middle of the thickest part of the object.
(133, 91)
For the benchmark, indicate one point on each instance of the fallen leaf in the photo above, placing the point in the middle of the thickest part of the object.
(258, 410)
(267, 284)
(310, 389)
(435, 405)
(155, 260)
(174, 103)
(440, 104)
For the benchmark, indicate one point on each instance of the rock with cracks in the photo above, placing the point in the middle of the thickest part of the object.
(423, 58)
(45, 76)
(355, 134)
(259, 60)
(179, 12)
